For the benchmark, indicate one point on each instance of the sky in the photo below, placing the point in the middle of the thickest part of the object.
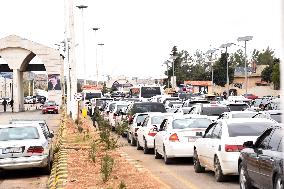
(138, 35)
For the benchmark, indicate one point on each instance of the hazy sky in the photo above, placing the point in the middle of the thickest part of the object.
(139, 34)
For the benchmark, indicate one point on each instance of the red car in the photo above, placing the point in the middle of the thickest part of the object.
(50, 107)
(251, 96)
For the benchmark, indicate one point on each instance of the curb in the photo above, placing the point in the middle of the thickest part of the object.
(59, 171)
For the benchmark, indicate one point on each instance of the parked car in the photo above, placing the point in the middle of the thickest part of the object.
(115, 112)
(50, 107)
(270, 114)
(29, 100)
(134, 126)
(237, 106)
(219, 148)
(177, 135)
(251, 96)
(148, 130)
(24, 146)
(237, 114)
(261, 163)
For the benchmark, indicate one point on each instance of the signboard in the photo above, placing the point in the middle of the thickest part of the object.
(92, 87)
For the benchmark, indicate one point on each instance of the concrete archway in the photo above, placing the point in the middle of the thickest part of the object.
(18, 52)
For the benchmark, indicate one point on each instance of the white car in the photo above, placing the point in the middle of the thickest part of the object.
(237, 114)
(115, 112)
(219, 148)
(177, 135)
(24, 146)
(134, 126)
(146, 133)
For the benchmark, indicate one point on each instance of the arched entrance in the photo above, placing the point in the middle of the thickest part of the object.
(18, 52)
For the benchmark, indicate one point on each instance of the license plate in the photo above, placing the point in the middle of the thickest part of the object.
(50, 110)
(191, 139)
(12, 150)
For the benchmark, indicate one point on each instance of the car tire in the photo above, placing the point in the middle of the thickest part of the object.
(219, 177)
(196, 164)
(167, 160)
(157, 155)
(243, 178)
(128, 137)
(138, 147)
(132, 140)
(47, 169)
(145, 148)
(278, 182)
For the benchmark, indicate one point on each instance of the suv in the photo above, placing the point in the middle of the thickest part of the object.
(134, 126)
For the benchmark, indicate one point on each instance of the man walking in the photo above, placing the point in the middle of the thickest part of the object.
(12, 104)
(4, 103)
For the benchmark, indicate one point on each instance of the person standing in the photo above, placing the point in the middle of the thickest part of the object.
(12, 104)
(4, 103)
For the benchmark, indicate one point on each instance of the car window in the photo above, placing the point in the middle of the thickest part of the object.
(208, 132)
(18, 133)
(277, 117)
(141, 118)
(214, 111)
(238, 107)
(244, 115)
(191, 123)
(247, 128)
(217, 132)
(263, 140)
(280, 146)
(275, 140)
(157, 120)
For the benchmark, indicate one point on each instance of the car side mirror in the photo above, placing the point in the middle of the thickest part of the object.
(139, 124)
(248, 144)
(51, 135)
(155, 128)
(161, 128)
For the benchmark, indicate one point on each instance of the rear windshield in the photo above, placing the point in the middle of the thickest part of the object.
(214, 111)
(238, 107)
(191, 123)
(244, 115)
(247, 128)
(148, 92)
(276, 117)
(120, 107)
(149, 107)
(18, 133)
(140, 118)
(157, 120)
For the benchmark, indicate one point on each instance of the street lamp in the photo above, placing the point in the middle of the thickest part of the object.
(174, 81)
(245, 39)
(82, 7)
(96, 29)
(100, 44)
(167, 63)
(226, 46)
(211, 52)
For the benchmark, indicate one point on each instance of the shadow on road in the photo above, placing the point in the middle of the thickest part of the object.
(18, 174)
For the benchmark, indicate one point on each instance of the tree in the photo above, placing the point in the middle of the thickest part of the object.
(266, 74)
(276, 76)
(238, 59)
(220, 71)
(266, 57)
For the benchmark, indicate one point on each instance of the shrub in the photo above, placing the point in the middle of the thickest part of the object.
(106, 167)
(93, 151)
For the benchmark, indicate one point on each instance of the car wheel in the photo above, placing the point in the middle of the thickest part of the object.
(243, 178)
(128, 138)
(196, 164)
(138, 145)
(278, 182)
(132, 140)
(166, 159)
(157, 155)
(47, 169)
(218, 171)
(145, 148)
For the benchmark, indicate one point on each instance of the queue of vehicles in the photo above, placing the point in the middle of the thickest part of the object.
(228, 137)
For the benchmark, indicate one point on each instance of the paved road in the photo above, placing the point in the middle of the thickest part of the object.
(180, 174)
(31, 179)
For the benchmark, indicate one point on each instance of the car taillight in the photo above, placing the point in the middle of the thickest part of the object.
(152, 132)
(174, 138)
(233, 148)
(35, 149)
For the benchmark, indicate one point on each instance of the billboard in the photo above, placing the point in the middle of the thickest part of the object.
(54, 82)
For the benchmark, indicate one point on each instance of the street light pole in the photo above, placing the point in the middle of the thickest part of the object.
(226, 46)
(211, 52)
(167, 63)
(245, 39)
(82, 7)
(174, 81)
(100, 44)
(95, 30)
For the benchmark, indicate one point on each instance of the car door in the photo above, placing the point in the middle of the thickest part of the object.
(253, 157)
(160, 136)
(201, 145)
(267, 159)
(213, 145)
(141, 130)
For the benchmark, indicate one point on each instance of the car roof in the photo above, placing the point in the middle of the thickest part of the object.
(211, 105)
(248, 120)
(187, 116)
(239, 112)
(20, 125)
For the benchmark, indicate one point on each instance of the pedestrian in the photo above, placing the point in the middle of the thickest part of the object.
(4, 103)
(94, 120)
(12, 104)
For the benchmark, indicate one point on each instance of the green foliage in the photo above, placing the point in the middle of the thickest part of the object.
(122, 185)
(266, 74)
(276, 76)
(237, 59)
(220, 71)
(265, 57)
(122, 127)
(93, 151)
(106, 167)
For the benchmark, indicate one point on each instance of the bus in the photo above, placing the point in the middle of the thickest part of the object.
(145, 92)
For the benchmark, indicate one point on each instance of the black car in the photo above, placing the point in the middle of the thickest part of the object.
(261, 164)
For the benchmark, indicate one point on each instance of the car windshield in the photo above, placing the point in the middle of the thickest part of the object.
(149, 107)
(157, 120)
(140, 118)
(120, 107)
(148, 92)
(244, 115)
(18, 133)
(214, 111)
(50, 103)
(191, 123)
(93, 95)
(277, 117)
(247, 128)
(238, 107)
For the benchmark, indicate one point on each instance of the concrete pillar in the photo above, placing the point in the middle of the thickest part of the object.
(18, 92)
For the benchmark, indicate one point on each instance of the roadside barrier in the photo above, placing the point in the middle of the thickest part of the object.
(59, 172)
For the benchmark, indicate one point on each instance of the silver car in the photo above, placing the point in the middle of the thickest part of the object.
(24, 146)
